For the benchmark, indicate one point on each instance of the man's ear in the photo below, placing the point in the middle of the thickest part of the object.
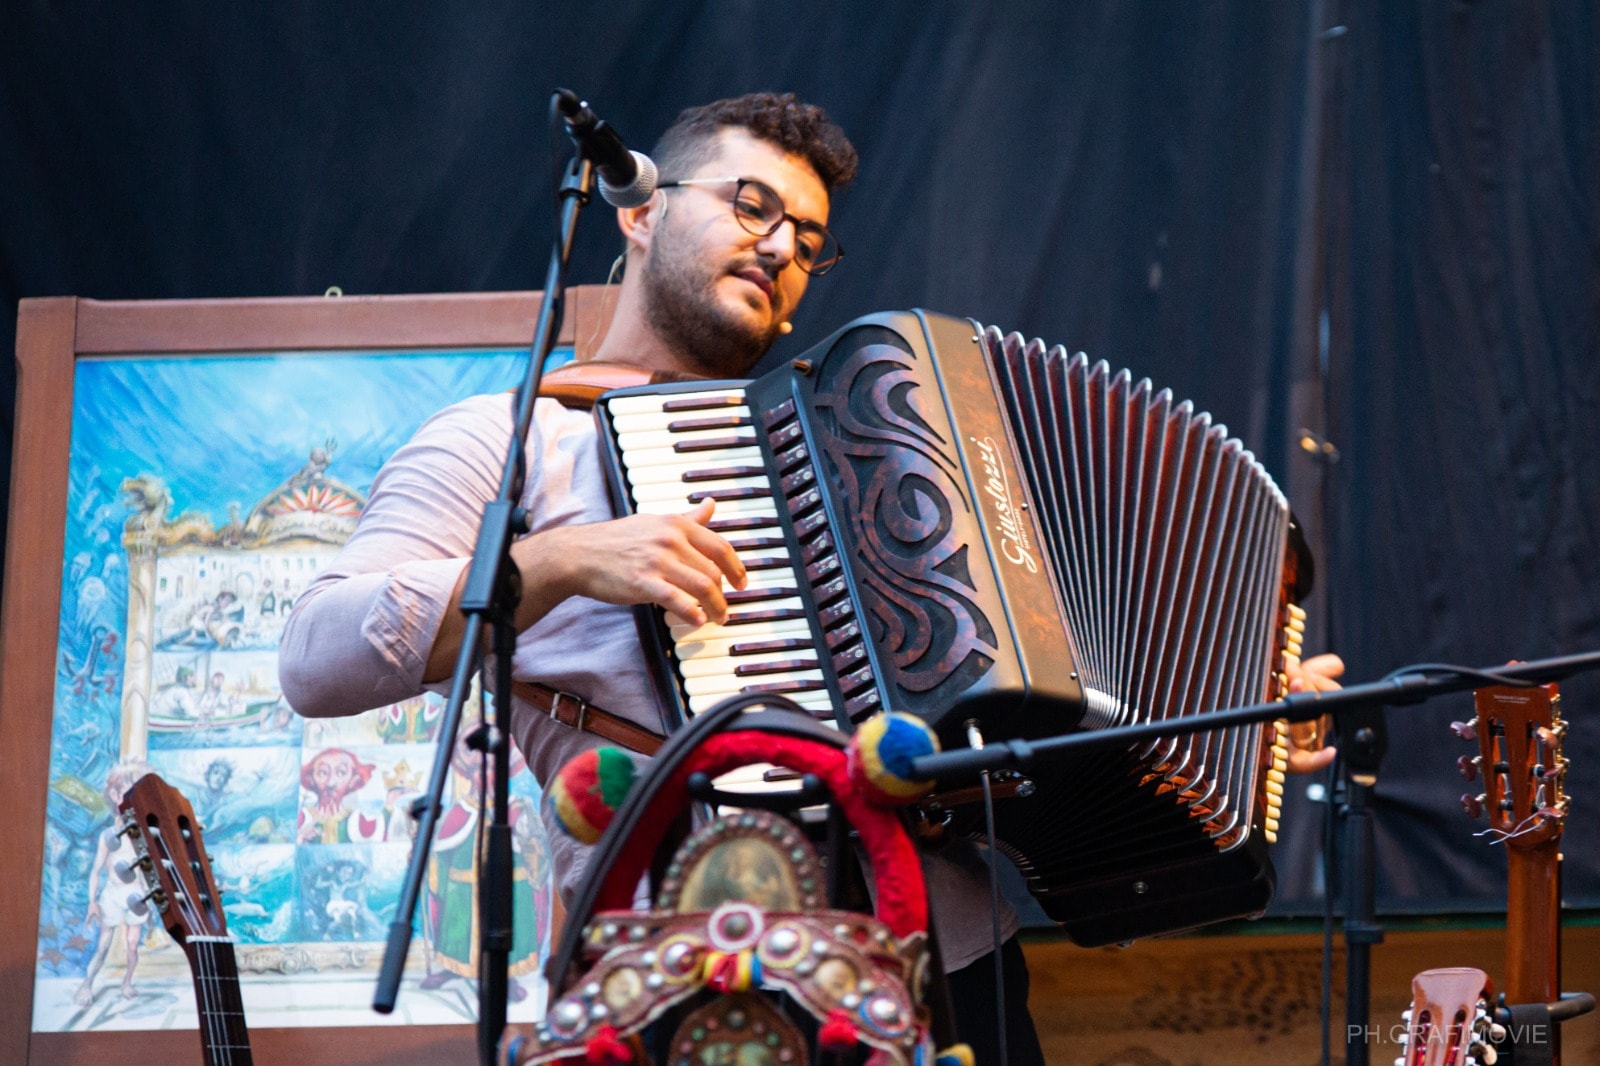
(639, 224)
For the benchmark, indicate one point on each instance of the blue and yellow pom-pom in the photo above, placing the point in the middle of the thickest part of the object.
(880, 755)
(586, 792)
(955, 1055)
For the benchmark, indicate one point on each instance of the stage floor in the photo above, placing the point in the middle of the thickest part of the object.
(1252, 1000)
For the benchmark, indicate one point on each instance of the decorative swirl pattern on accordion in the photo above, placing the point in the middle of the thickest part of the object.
(889, 456)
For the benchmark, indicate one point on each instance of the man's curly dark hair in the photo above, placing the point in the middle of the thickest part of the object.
(780, 119)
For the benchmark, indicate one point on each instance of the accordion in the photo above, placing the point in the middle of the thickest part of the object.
(941, 519)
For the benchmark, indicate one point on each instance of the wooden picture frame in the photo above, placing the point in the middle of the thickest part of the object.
(52, 335)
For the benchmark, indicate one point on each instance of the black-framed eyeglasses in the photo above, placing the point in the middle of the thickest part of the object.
(761, 211)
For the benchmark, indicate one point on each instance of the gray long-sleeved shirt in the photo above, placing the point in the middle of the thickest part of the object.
(361, 632)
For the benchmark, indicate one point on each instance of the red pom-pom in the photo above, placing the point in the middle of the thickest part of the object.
(606, 1049)
(838, 1033)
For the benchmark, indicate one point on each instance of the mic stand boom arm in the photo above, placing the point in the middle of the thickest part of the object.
(1407, 685)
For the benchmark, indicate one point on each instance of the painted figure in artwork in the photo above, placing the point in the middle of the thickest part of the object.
(216, 797)
(412, 721)
(748, 870)
(214, 623)
(177, 698)
(219, 772)
(214, 702)
(316, 466)
(108, 895)
(332, 777)
(450, 907)
(334, 903)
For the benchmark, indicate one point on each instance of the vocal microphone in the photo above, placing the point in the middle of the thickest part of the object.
(627, 179)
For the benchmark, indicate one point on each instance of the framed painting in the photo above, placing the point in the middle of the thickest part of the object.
(182, 470)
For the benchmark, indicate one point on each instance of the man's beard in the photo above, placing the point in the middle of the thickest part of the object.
(681, 307)
(330, 802)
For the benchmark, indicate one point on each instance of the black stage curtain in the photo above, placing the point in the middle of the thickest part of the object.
(1129, 179)
(1463, 369)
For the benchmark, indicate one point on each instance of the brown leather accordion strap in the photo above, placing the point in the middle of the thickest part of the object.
(578, 385)
(572, 711)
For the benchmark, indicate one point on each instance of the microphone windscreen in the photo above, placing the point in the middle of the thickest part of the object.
(637, 192)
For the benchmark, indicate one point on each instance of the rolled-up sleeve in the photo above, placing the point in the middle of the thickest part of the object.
(361, 632)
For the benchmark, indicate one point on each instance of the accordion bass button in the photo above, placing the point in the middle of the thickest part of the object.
(865, 703)
(848, 659)
(778, 415)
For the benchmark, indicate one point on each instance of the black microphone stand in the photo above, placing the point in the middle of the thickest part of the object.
(1362, 741)
(490, 596)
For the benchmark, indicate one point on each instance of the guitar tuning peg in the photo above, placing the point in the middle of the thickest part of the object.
(1473, 805)
(1497, 1032)
(130, 829)
(1484, 1054)
(1467, 730)
(125, 870)
(1468, 765)
(138, 905)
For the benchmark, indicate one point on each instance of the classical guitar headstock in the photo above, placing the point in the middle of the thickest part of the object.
(1519, 733)
(172, 861)
(1448, 1023)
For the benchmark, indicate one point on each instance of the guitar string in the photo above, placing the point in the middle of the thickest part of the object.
(219, 1014)
(1522, 828)
(206, 992)
(221, 949)
(191, 915)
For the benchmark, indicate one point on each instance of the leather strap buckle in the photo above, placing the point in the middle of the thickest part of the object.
(581, 716)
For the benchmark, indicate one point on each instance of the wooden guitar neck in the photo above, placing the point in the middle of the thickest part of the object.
(172, 859)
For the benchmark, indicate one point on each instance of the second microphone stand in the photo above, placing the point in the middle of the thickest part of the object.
(1363, 739)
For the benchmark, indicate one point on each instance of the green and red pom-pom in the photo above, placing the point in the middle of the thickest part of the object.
(585, 794)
